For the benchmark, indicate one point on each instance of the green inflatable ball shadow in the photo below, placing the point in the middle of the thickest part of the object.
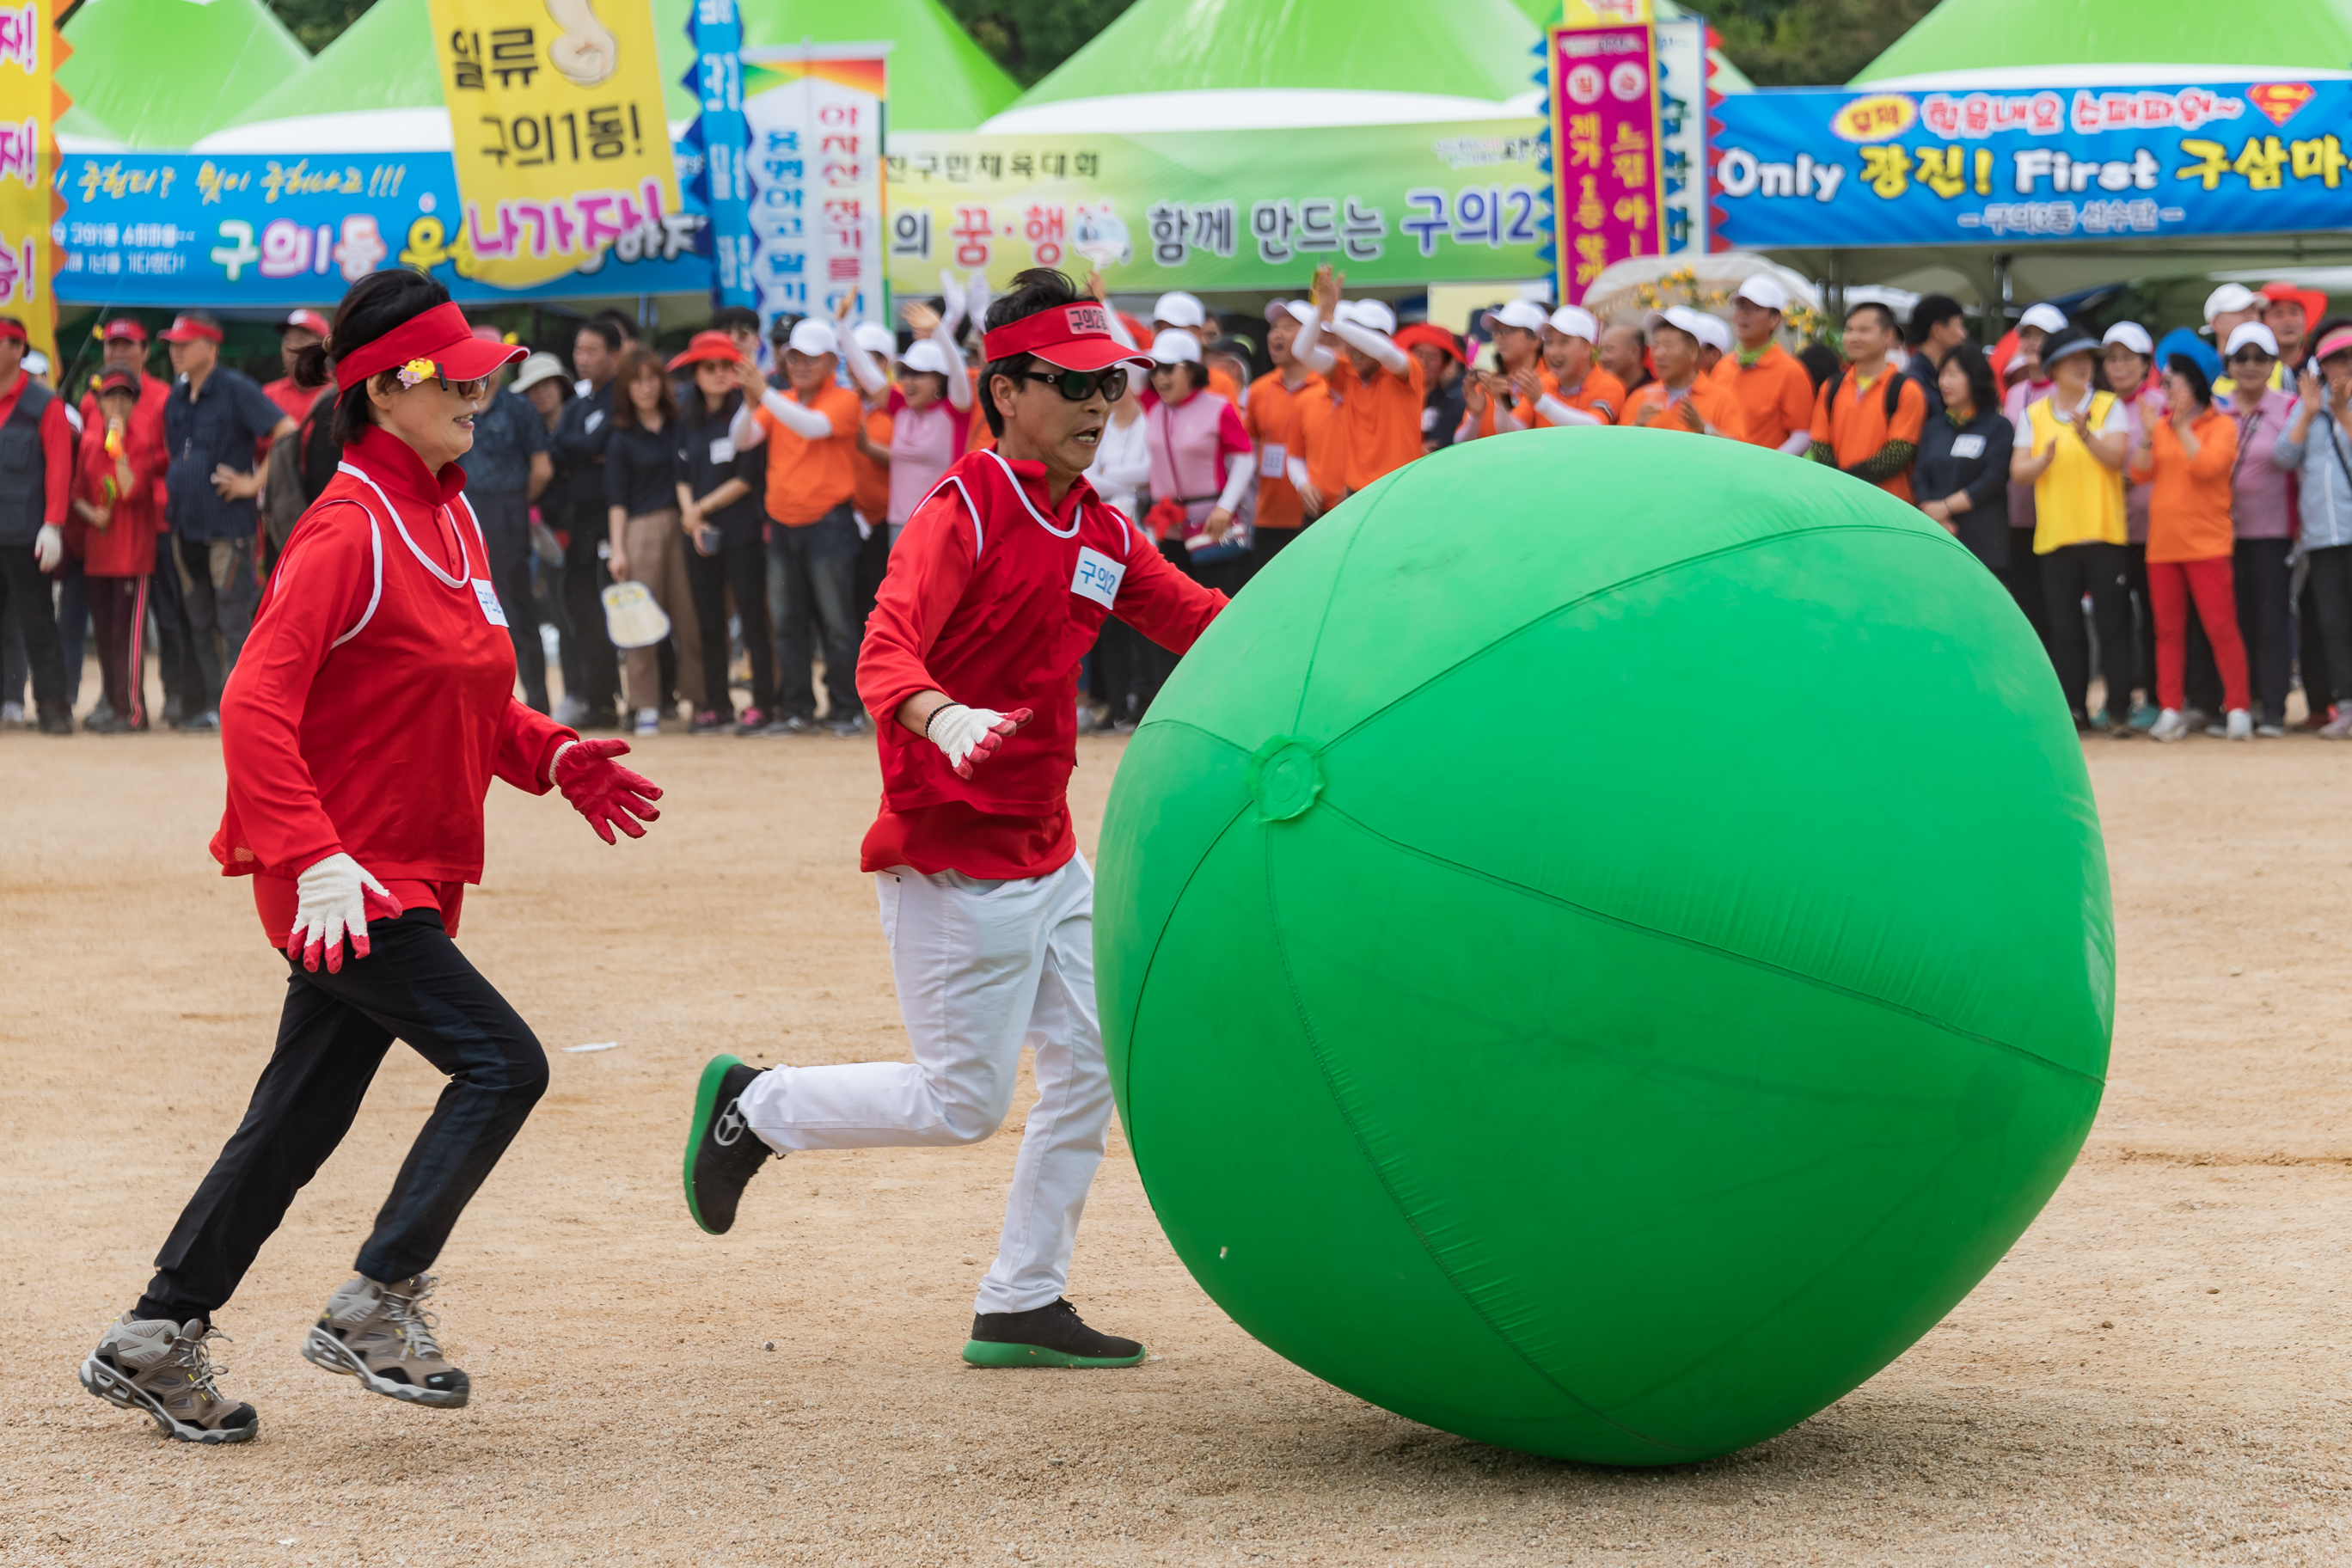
(1605, 941)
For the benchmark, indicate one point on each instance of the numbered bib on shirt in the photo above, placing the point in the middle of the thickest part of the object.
(1098, 577)
(1270, 458)
(722, 452)
(1968, 446)
(492, 611)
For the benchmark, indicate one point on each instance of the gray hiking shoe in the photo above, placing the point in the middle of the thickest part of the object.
(165, 1370)
(381, 1335)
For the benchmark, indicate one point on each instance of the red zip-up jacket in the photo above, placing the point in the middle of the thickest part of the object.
(994, 596)
(373, 702)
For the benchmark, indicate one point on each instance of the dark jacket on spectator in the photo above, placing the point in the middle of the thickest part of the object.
(1972, 458)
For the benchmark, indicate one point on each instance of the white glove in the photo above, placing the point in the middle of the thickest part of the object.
(49, 547)
(968, 736)
(952, 292)
(335, 897)
(976, 298)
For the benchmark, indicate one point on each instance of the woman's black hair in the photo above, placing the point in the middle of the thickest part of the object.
(1982, 392)
(1196, 374)
(1039, 288)
(372, 307)
(2189, 370)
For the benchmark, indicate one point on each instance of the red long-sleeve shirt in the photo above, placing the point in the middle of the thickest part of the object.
(57, 450)
(126, 546)
(373, 702)
(994, 596)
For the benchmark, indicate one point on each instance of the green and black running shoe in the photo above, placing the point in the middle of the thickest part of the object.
(1050, 1335)
(722, 1152)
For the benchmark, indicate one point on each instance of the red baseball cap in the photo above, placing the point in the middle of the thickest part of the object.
(309, 320)
(1075, 337)
(439, 338)
(117, 380)
(705, 346)
(187, 329)
(124, 328)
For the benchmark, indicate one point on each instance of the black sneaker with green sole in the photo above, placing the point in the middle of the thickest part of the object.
(722, 1152)
(1050, 1335)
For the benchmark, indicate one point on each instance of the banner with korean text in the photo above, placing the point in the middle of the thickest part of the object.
(29, 47)
(1607, 197)
(1803, 168)
(1386, 205)
(722, 139)
(815, 162)
(560, 139)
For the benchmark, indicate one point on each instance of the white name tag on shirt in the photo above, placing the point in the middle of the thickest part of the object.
(492, 611)
(1098, 577)
(1270, 458)
(722, 451)
(1968, 446)
(595, 418)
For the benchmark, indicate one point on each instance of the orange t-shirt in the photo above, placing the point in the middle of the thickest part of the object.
(1600, 394)
(1223, 385)
(1858, 427)
(872, 495)
(1319, 438)
(808, 479)
(1714, 406)
(1380, 417)
(1271, 418)
(1776, 394)
(2189, 498)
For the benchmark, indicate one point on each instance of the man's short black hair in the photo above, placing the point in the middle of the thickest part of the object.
(605, 331)
(620, 323)
(1039, 288)
(1932, 311)
(730, 318)
(1885, 316)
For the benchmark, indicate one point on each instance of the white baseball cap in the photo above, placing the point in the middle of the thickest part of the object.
(2252, 333)
(2230, 297)
(1372, 313)
(927, 358)
(1298, 311)
(2046, 316)
(1576, 322)
(1714, 332)
(1765, 291)
(1524, 315)
(2131, 335)
(813, 337)
(1682, 318)
(1178, 308)
(875, 338)
(1174, 347)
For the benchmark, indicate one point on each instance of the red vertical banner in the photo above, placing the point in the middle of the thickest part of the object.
(1607, 200)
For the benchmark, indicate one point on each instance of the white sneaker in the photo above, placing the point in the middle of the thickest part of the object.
(648, 720)
(2169, 726)
(2242, 725)
(12, 715)
(2337, 728)
(570, 709)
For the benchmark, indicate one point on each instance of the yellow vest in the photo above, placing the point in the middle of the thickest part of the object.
(2078, 500)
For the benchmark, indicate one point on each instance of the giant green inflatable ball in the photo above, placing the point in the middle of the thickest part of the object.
(1605, 942)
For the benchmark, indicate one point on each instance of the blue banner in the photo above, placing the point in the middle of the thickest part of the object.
(248, 231)
(1806, 168)
(724, 137)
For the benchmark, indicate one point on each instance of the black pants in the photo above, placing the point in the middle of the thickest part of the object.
(219, 594)
(2261, 578)
(873, 565)
(176, 654)
(2022, 578)
(506, 528)
(1265, 544)
(2067, 573)
(415, 986)
(2143, 624)
(741, 564)
(26, 605)
(819, 591)
(583, 585)
(2327, 612)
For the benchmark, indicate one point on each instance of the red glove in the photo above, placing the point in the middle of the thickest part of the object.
(600, 789)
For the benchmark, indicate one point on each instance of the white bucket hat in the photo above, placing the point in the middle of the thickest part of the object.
(541, 366)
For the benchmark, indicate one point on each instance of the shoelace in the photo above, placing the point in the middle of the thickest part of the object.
(416, 1324)
(198, 1357)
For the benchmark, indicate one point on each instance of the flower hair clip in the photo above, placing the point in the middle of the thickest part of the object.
(418, 369)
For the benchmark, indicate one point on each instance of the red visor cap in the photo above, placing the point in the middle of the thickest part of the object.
(187, 328)
(441, 337)
(1074, 337)
(126, 330)
(707, 346)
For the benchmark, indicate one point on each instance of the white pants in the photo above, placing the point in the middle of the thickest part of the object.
(982, 968)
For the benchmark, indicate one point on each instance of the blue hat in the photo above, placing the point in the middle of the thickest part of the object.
(2181, 341)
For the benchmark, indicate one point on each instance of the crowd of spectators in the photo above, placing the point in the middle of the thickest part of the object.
(2175, 516)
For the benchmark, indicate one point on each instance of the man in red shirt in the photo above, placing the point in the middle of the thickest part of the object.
(35, 443)
(295, 334)
(997, 587)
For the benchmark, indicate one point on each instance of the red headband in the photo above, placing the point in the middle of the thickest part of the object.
(13, 331)
(440, 337)
(1075, 337)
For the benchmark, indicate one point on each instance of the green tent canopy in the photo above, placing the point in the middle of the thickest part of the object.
(161, 73)
(1996, 35)
(939, 78)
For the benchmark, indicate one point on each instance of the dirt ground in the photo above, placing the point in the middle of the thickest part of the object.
(2156, 1374)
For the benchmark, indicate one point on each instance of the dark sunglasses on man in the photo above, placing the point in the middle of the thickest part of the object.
(1078, 385)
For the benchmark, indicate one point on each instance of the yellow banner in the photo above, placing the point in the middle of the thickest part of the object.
(555, 116)
(28, 155)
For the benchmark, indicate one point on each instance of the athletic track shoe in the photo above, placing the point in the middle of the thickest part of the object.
(165, 1370)
(722, 1152)
(1052, 1335)
(381, 1335)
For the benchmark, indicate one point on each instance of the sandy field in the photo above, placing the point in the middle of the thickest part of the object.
(2156, 1374)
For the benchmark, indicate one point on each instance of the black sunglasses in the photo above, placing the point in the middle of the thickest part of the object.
(1078, 385)
(2245, 354)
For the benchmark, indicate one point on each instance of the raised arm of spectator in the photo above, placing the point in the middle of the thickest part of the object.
(862, 368)
(940, 330)
(1391, 358)
(1101, 289)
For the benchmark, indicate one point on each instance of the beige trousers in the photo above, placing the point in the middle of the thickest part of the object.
(656, 551)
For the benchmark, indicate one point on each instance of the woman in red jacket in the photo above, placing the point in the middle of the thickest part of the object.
(112, 529)
(371, 707)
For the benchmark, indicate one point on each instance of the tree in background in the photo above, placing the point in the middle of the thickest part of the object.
(317, 23)
(1809, 43)
(1030, 37)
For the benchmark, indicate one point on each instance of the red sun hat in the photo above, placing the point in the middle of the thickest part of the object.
(439, 338)
(1074, 337)
(2314, 302)
(707, 346)
(1435, 336)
